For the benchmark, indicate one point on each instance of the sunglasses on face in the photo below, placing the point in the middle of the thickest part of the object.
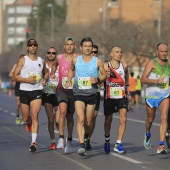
(31, 45)
(53, 53)
(95, 52)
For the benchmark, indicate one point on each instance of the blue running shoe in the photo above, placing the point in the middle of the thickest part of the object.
(147, 142)
(107, 147)
(119, 148)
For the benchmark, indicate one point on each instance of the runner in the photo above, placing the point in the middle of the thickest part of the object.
(86, 69)
(65, 96)
(88, 136)
(29, 72)
(49, 99)
(115, 98)
(156, 75)
(17, 97)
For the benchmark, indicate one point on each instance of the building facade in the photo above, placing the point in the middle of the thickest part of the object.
(86, 11)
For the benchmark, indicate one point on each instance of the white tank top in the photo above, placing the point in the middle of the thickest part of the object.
(51, 84)
(32, 68)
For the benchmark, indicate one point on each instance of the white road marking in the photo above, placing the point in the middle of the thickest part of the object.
(114, 154)
(13, 114)
(126, 158)
(6, 111)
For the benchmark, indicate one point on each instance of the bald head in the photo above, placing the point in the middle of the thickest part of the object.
(162, 44)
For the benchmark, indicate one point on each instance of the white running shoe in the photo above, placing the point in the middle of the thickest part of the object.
(60, 144)
(68, 147)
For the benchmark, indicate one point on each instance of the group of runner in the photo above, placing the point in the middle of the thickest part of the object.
(69, 83)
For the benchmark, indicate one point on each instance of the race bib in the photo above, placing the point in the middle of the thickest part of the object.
(84, 83)
(115, 93)
(37, 75)
(164, 85)
(64, 81)
(51, 87)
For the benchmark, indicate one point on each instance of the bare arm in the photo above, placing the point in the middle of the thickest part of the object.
(125, 66)
(71, 72)
(102, 75)
(148, 68)
(16, 76)
(12, 71)
(54, 67)
(45, 73)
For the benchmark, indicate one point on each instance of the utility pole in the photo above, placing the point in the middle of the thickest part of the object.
(159, 20)
(52, 21)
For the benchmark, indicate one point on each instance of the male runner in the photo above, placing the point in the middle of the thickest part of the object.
(29, 72)
(65, 96)
(86, 69)
(49, 99)
(156, 75)
(115, 98)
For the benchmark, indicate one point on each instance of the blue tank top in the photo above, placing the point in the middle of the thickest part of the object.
(83, 72)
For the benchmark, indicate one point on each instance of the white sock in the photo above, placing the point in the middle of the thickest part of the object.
(53, 141)
(119, 141)
(34, 137)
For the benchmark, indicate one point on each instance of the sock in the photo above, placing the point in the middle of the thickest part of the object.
(161, 143)
(148, 134)
(53, 141)
(69, 139)
(86, 135)
(119, 141)
(61, 136)
(107, 138)
(34, 137)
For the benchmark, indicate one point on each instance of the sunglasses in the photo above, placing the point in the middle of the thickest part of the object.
(53, 53)
(31, 45)
(95, 52)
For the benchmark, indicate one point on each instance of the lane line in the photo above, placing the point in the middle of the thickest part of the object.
(82, 166)
(114, 154)
(126, 158)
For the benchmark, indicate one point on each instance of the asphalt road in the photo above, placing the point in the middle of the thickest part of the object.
(15, 141)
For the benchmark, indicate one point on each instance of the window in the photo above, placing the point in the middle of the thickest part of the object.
(11, 10)
(11, 20)
(113, 3)
(10, 30)
(21, 20)
(23, 10)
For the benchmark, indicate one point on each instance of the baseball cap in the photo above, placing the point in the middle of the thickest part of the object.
(32, 41)
(69, 38)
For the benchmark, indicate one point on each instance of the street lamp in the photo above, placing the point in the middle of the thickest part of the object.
(52, 20)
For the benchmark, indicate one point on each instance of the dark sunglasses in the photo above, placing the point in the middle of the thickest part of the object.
(53, 53)
(95, 52)
(31, 45)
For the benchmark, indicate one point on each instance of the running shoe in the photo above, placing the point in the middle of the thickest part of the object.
(147, 142)
(82, 150)
(161, 149)
(60, 144)
(17, 121)
(87, 144)
(33, 147)
(107, 147)
(53, 146)
(119, 148)
(68, 147)
(29, 124)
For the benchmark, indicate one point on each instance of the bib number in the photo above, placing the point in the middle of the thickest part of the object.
(115, 93)
(84, 83)
(37, 76)
(164, 85)
(64, 81)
